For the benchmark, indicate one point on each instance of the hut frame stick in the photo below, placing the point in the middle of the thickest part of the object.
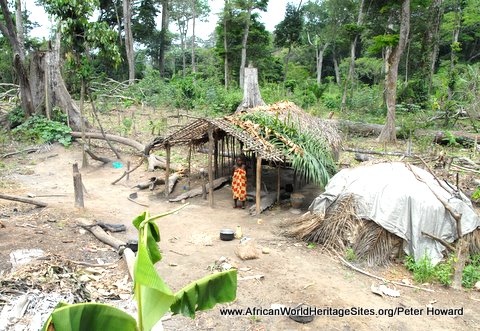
(210, 165)
(258, 186)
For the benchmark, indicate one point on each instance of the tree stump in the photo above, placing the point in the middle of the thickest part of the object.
(78, 187)
(251, 91)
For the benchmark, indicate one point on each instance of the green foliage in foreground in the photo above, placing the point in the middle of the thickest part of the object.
(154, 298)
(313, 159)
(424, 271)
(40, 129)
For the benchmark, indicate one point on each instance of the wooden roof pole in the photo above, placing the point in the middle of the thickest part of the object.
(258, 185)
(210, 165)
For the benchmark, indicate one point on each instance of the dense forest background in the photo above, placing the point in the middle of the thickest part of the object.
(410, 63)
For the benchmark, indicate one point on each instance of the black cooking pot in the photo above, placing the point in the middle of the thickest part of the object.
(227, 234)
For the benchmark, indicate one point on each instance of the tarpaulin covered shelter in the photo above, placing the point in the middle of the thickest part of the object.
(405, 201)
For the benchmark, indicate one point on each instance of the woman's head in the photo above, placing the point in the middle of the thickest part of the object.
(239, 161)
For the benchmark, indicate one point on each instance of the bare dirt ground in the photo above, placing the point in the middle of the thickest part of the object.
(293, 273)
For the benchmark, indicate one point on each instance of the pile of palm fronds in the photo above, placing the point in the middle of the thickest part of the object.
(288, 111)
(340, 228)
(310, 153)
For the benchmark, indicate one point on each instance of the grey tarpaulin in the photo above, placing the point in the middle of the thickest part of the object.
(391, 196)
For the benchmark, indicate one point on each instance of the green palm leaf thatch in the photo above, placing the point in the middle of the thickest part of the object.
(310, 154)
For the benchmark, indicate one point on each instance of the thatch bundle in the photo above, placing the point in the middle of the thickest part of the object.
(340, 228)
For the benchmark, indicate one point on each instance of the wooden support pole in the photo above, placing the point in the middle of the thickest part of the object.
(278, 183)
(222, 153)
(258, 185)
(210, 166)
(215, 157)
(204, 184)
(128, 171)
(167, 171)
(189, 170)
(78, 187)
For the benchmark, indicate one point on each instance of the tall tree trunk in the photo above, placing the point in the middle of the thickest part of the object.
(225, 44)
(437, 9)
(336, 68)
(194, 69)
(163, 38)
(453, 47)
(19, 24)
(287, 58)
(407, 58)
(127, 24)
(243, 60)
(320, 51)
(452, 79)
(9, 31)
(182, 27)
(119, 23)
(353, 46)
(393, 59)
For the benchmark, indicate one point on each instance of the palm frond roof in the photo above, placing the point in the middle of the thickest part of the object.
(247, 132)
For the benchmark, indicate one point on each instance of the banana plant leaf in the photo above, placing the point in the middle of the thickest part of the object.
(205, 293)
(89, 316)
(153, 296)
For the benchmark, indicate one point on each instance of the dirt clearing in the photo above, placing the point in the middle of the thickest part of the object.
(293, 273)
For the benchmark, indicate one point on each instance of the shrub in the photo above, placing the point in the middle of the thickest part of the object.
(40, 129)
(471, 273)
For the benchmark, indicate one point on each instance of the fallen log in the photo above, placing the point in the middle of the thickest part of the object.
(121, 140)
(24, 200)
(361, 129)
(366, 151)
(120, 246)
(172, 180)
(155, 161)
(97, 158)
(439, 137)
(101, 235)
(150, 184)
(198, 191)
(27, 150)
(265, 203)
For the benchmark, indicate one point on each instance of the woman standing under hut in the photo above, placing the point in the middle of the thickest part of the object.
(239, 183)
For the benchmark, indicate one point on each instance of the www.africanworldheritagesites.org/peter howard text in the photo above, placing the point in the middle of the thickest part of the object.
(341, 312)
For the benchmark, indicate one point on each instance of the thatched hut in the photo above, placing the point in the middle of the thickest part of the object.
(281, 134)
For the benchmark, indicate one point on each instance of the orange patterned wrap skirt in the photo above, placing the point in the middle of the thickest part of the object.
(239, 184)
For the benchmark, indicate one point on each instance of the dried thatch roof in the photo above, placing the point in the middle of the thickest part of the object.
(196, 132)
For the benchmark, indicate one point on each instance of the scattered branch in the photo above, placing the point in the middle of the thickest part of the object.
(440, 240)
(24, 200)
(381, 278)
